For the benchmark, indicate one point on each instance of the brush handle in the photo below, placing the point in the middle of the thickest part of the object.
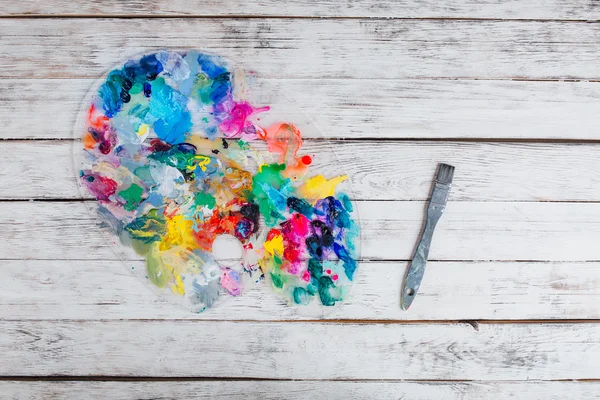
(419, 261)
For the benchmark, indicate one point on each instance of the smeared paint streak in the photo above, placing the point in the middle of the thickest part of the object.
(319, 187)
(285, 140)
(169, 156)
(99, 186)
(231, 282)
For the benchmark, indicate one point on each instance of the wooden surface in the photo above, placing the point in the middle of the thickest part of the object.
(278, 390)
(508, 92)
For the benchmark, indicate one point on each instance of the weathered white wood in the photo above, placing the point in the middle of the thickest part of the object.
(311, 48)
(468, 231)
(554, 9)
(297, 390)
(77, 289)
(300, 350)
(355, 108)
(314, 58)
(378, 170)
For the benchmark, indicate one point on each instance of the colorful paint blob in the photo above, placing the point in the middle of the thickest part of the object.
(175, 159)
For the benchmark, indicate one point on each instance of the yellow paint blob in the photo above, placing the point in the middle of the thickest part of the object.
(143, 130)
(275, 245)
(179, 233)
(199, 161)
(318, 187)
(178, 287)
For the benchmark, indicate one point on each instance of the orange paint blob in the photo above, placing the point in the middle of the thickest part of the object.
(88, 141)
(285, 140)
(96, 119)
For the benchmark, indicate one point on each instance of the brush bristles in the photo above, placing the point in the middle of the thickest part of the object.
(445, 174)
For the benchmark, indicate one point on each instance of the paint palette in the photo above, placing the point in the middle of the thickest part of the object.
(177, 156)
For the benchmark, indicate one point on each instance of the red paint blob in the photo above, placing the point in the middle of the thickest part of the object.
(306, 160)
(272, 233)
(100, 186)
(306, 276)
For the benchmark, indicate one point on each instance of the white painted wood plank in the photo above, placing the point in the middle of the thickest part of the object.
(357, 108)
(300, 350)
(553, 9)
(311, 48)
(468, 231)
(378, 170)
(297, 390)
(72, 289)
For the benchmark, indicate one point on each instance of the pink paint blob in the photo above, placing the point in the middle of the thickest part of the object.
(296, 228)
(306, 276)
(237, 114)
(231, 282)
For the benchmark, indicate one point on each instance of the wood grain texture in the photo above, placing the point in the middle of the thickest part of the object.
(355, 108)
(306, 48)
(389, 230)
(300, 350)
(92, 290)
(378, 170)
(476, 70)
(554, 9)
(297, 390)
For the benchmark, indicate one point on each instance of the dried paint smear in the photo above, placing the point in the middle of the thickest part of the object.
(175, 160)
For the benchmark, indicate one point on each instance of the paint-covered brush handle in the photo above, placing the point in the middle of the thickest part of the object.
(435, 209)
(418, 263)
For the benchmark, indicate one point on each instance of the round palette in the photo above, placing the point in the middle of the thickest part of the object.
(177, 156)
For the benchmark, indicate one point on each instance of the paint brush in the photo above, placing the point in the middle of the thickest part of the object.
(435, 209)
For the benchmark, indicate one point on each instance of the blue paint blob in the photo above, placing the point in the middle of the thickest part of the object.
(147, 89)
(210, 67)
(169, 106)
(349, 262)
(221, 88)
(110, 93)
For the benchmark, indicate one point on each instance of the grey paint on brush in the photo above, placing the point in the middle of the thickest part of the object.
(437, 205)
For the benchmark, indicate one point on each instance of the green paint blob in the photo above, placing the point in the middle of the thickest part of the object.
(327, 291)
(243, 145)
(174, 158)
(143, 173)
(203, 89)
(157, 272)
(278, 280)
(315, 267)
(148, 228)
(205, 199)
(132, 196)
(300, 296)
(136, 88)
(269, 175)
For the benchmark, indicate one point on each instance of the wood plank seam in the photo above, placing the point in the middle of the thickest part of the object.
(276, 17)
